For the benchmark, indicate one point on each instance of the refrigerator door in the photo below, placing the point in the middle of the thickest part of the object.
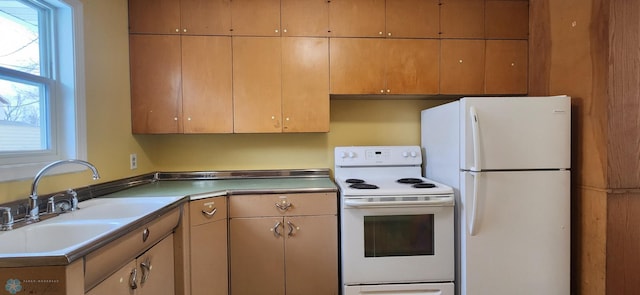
(521, 239)
(514, 133)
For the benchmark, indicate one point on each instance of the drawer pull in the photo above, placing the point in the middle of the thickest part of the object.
(210, 213)
(275, 229)
(132, 279)
(283, 205)
(145, 234)
(292, 226)
(146, 270)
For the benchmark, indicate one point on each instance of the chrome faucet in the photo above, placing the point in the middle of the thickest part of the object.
(33, 213)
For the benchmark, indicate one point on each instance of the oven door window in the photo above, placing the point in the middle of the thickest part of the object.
(398, 235)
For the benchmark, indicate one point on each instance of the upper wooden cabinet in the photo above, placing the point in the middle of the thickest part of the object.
(462, 19)
(195, 17)
(155, 83)
(412, 18)
(207, 105)
(305, 18)
(357, 18)
(506, 67)
(280, 84)
(462, 67)
(379, 18)
(507, 19)
(384, 66)
(255, 17)
(484, 67)
(180, 84)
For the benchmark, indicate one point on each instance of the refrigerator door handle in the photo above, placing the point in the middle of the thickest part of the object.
(475, 133)
(473, 228)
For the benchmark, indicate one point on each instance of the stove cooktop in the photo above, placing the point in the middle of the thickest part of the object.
(385, 186)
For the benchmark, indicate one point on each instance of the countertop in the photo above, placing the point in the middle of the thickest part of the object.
(184, 186)
(197, 189)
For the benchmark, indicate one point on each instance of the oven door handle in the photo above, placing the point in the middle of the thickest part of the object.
(380, 204)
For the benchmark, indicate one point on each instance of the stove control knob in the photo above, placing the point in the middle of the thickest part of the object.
(343, 155)
(352, 155)
(414, 154)
(405, 154)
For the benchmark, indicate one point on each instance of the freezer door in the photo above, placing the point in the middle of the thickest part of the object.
(505, 133)
(521, 239)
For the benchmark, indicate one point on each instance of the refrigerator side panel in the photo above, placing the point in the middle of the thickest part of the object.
(515, 133)
(522, 239)
(440, 142)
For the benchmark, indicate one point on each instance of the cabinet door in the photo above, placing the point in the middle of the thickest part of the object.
(206, 74)
(305, 18)
(412, 66)
(257, 84)
(357, 18)
(506, 67)
(357, 66)
(305, 84)
(155, 83)
(257, 256)
(462, 19)
(154, 16)
(462, 66)
(311, 254)
(413, 18)
(209, 258)
(507, 19)
(118, 283)
(255, 17)
(206, 17)
(156, 268)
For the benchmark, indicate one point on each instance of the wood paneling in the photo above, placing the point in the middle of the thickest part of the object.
(590, 52)
(462, 19)
(623, 243)
(624, 95)
(507, 19)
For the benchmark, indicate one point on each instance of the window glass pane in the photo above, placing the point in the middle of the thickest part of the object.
(399, 235)
(22, 123)
(20, 46)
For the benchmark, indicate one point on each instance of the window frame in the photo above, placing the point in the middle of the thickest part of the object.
(67, 108)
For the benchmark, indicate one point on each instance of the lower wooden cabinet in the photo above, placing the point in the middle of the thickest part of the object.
(291, 249)
(150, 273)
(208, 247)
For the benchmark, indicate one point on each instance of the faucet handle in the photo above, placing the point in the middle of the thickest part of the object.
(51, 205)
(6, 219)
(74, 199)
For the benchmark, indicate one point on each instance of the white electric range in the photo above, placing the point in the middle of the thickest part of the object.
(397, 227)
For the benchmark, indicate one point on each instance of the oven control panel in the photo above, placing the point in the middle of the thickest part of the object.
(378, 155)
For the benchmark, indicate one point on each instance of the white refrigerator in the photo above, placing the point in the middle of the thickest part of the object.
(508, 160)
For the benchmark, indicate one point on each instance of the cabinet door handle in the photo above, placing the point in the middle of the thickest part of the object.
(210, 213)
(292, 226)
(283, 205)
(275, 229)
(146, 270)
(132, 279)
(145, 234)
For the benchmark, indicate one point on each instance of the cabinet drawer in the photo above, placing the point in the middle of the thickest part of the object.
(207, 210)
(291, 204)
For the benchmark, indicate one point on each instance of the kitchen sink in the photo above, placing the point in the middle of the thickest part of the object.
(66, 232)
(117, 208)
(56, 237)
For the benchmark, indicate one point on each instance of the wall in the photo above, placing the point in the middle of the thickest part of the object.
(588, 49)
(353, 122)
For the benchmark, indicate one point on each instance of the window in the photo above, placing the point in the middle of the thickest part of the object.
(41, 85)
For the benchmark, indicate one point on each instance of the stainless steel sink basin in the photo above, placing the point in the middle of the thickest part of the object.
(62, 234)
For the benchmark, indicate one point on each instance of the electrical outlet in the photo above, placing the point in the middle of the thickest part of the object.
(133, 161)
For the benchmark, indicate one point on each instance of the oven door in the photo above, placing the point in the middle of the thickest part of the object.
(396, 243)
(395, 289)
